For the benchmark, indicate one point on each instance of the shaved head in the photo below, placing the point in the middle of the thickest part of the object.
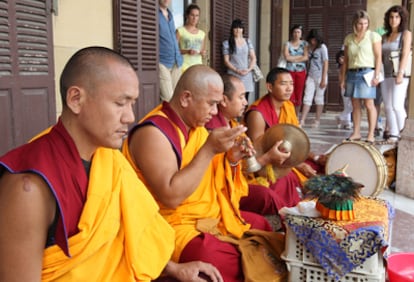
(198, 79)
(87, 67)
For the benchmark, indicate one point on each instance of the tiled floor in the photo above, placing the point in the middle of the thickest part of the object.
(325, 138)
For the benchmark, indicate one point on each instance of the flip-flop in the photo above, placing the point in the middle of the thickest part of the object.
(369, 142)
(351, 140)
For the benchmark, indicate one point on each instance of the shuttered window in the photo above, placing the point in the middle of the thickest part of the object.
(136, 37)
(27, 97)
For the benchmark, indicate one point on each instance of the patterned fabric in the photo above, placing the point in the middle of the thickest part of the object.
(341, 246)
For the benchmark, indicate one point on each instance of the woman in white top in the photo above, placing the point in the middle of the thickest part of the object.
(317, 78)
(394, 86)
(239, 56)
(191, 39)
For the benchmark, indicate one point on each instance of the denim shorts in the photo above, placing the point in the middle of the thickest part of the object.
(356, 87)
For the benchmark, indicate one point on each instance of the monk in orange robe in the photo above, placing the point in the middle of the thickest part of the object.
(71, 206)
(275, 108)
(261, 200)
(197, 178)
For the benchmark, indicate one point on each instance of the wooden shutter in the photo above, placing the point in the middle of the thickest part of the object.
(136, 37)
(223, 14)
(27, 96)
(276, 32)
(333, 19)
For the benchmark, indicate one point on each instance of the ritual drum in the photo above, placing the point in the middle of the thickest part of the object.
(366, 165)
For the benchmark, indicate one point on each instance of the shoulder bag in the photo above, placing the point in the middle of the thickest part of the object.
(395, 57)
(281, 62)
(257, 72)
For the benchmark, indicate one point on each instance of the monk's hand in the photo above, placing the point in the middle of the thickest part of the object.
(277, 155)
(222, 139)
(306, 170)
(194, 271)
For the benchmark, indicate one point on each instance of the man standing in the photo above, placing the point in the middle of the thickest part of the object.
(169, 54)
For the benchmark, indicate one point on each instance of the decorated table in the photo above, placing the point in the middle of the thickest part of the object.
(342, 246)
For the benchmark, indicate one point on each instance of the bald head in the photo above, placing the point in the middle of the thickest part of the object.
(198, 79)
(197, 94)
(87, 66)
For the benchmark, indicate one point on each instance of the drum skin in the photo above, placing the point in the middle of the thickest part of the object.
(366, 165)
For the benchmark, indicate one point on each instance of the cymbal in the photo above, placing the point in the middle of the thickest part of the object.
(295, 140)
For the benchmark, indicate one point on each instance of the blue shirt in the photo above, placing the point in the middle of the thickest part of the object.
(169, 51)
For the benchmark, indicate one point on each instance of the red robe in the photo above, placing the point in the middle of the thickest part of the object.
(284, 187)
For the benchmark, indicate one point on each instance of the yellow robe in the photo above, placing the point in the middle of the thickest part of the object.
(122, 236)
(216, 197)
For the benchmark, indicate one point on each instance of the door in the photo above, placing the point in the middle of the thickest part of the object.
(27, 96)
(333, 19)
(136, 37)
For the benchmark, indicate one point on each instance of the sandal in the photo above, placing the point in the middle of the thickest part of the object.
(370, 142)
(349, 139)
(315, 124)
(391, 140)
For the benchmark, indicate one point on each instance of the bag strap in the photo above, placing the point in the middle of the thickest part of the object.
(400, 44)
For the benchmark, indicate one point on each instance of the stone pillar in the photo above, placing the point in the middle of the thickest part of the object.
(405, 161)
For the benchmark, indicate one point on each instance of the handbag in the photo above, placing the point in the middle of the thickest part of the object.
(257, 73)
(281, 62)
(395, 57)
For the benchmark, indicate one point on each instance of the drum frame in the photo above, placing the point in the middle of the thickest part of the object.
(377, 158)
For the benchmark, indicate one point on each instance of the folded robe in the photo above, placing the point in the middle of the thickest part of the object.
(120, 235)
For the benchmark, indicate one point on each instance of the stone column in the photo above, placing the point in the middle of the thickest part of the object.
(405, 161)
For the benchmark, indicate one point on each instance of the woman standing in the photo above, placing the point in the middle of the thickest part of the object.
(296, 54)
(239, 56)
(362, 55)
(191, 40)
(394, 86)
(317, 78)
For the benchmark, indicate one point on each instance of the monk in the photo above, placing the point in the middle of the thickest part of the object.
(196, 177)
(261, 200)
(71, 206)
(276, 108)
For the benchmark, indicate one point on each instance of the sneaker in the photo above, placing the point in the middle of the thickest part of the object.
(377, 131)
(315, 124)
(338, 122)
